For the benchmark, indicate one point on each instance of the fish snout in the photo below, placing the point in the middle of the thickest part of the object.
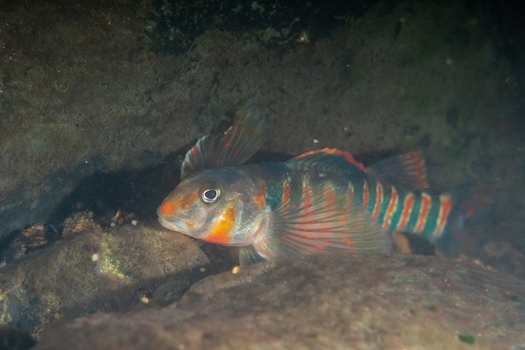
(166, 209)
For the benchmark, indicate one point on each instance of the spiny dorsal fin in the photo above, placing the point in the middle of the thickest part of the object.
(234, 147)
(326, 160)
(328, 155)
(406, 170)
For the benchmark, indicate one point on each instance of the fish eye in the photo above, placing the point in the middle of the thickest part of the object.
(210, 195)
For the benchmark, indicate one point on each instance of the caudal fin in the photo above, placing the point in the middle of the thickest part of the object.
(471, 217)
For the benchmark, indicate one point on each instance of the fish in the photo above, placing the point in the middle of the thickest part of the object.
(322, 201)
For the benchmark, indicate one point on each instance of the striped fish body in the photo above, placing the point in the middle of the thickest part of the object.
(330, 181)
(319, 202)
(324, 201)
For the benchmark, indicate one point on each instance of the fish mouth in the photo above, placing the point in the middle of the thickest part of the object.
(171, 224)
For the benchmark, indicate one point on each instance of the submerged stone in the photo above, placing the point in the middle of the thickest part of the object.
(356, 301)
(115, 270)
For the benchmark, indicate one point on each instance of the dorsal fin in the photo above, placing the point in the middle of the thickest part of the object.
(332, 155)
(234, 147)
(406, 170)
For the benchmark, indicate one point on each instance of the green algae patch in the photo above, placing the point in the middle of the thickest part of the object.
(110, 263)
(313, 335)
(467, 338)
(432, 308)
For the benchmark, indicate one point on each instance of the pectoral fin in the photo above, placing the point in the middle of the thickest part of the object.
(248, 255)
(323, 221)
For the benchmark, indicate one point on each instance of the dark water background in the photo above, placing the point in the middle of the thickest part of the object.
(100, 100)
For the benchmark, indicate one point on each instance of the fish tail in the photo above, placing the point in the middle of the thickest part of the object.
(470, 217)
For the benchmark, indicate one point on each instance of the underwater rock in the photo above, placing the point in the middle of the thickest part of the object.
(115, 270)
(79, 222)
(30, 239)
(13, 339)
(347, 301)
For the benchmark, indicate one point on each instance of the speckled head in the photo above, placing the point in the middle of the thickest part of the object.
(215, 205)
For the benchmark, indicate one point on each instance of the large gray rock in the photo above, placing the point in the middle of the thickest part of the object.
(100, 270)
(335, 302)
